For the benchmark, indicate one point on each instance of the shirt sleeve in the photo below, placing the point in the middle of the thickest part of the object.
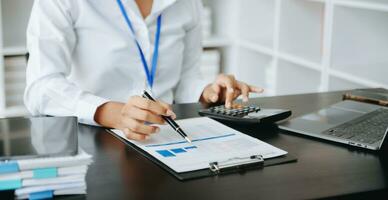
(50, 41)
(191, 83)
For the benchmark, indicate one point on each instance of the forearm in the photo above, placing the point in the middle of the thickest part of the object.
(108, 114)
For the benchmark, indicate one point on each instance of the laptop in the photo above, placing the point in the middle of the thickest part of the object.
(349, 122)
(23, 137)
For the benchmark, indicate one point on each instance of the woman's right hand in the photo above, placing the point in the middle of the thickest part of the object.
(135, 117)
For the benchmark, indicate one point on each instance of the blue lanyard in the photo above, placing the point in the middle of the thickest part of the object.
(150, 75)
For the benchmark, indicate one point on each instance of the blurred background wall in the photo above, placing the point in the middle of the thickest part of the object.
(285, 46)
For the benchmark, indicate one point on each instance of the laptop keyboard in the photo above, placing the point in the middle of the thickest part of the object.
(368, 128)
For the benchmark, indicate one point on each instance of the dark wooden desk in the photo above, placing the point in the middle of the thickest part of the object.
(323, 169)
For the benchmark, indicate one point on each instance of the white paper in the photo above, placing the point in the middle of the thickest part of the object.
(53, 181)
(67, 161)
(212, 142)
(28, 190)
(80, 190)
(71, 191)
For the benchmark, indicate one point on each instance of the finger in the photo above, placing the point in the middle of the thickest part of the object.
(134, 136)
(164, 104)
(236, 94)
(216, 88)
(149, 105)
(139, 126)
(216, 93)
(255, 89)
(144, 115)
(244, 88)
(169, 109)
(227, 82)
(229, 98)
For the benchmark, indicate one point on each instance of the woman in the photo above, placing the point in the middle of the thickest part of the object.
(91, 59)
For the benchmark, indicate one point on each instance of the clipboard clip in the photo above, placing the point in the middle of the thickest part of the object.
(236, 164)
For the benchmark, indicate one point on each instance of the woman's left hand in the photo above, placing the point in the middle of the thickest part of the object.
(226, 89)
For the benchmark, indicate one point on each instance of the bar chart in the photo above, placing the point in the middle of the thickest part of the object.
(175, 151)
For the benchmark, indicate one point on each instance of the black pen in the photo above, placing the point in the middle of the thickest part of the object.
(169, 120)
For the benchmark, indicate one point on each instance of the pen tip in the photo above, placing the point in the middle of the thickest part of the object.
(188, 140)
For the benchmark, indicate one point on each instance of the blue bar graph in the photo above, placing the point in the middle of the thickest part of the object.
(178, 150)
(173, 152)
(165, 153)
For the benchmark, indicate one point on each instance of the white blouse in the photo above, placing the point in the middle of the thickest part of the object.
(82, 54)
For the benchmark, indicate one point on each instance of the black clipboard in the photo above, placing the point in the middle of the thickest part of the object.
(215, 168)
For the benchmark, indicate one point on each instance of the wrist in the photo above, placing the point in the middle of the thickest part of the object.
(108, 114)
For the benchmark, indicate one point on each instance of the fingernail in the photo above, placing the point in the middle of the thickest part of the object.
(231, 90)
(227, 105)
(256, 89)
(157, 130)
(147, 137)
(170, 113)
(245, 99)
(214, 98)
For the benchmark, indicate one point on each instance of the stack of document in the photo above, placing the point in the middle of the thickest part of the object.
(41, 178)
